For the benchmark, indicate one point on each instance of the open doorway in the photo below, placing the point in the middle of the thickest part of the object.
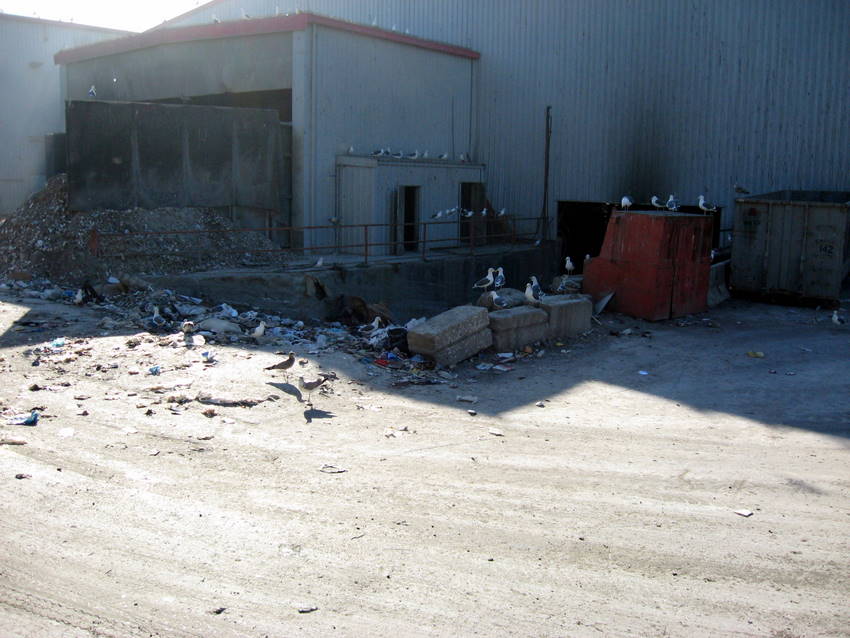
(472, 197)
(581, 229)
(409, 197)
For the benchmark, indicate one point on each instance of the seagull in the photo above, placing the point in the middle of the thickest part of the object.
(672, 203)
(351, 150)
(92, 91)
(437, 215)
(310, 385)
(285, 365)
(587, 257)
(379, 152)
(502, 212)
(443, 156)
(463, 157)
(529, 294)
(741, 190)
(626, 202)
(485, 282)
(260, 330)
(838, 321)
(398, 155)
(333, 221)
(657, 202)
(425, 155)
(78, 298)
(499, 280)
(708, 208)
(484, 212)
(535, 288)
(319, 262)
(413, 155)
(245, 16)
(187, 327)
(371, 327)
(499, 302)
(468, 213)
(215, 19)
(568, 266)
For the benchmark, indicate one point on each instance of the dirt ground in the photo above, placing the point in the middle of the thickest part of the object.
(609, 511)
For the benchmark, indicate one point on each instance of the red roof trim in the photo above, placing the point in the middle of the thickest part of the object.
(240, 28)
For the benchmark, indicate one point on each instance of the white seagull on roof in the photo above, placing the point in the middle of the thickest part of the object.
(485, 282)
(704, 206)
(657, 202)
(626, 202)
(672, 203)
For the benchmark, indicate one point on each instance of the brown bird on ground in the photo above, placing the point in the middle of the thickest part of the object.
(309, 386)
(286, 364)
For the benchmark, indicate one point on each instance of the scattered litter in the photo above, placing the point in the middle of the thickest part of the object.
(58, 343)
(153, 453)
(307, 610)
(229, 401)
(744, 513)
(209, 357)
(24, 419)
(332, 469)
(501, 368)
(23, 476)
(472, 412)
(643, 372)
(12, 442)
(483, 366)
(209, 413)
(496, 432)
(154, 370)
(755, 354)
(218, 611)
(540, 404)
(467, 398)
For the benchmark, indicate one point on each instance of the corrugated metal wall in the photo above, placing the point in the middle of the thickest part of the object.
(30, 98)
(648, 96)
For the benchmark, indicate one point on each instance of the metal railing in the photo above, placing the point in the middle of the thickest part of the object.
(468, 238)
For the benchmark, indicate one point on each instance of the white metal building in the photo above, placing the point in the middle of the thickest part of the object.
(30, 99)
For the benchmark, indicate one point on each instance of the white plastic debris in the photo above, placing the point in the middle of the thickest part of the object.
(467, 398)
(744, 513)
(496, 432)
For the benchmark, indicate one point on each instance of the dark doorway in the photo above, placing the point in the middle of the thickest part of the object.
(472, 197)
(410, 217)
(581, 229)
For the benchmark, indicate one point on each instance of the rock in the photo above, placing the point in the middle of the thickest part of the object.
(512, 297)
(568, 315)
(465, 348)
(514, 328)
(446, 329)
(219, 326)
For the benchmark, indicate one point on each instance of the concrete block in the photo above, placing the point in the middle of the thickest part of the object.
(446, 329)
(519, 337)
(463, 349)
(521, 316)
(569, 315)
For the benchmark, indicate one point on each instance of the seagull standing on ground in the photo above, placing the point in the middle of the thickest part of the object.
(838, 321)
(485, 282)
(626, 202)
(499, 280)
(568, 266)
(656, 202)
(535, 288)
(371, 327)
(310, 385)
(704, 206)
(672, 203)
(499, 302)
(284, 365)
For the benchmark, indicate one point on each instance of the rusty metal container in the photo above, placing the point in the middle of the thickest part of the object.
(657, 264)
(792, 243)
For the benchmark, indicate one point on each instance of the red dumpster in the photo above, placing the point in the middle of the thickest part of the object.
(657, 264)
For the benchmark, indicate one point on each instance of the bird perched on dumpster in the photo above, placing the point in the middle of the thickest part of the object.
(285, 365)
(498, 301)
(657, 202)
(536, 289)
(626, 202)
(485, 282)
(704, 206)
(569, 266)
(530, 295)
(838, 321)
(672, 203)
(502, 212)
(499, 279)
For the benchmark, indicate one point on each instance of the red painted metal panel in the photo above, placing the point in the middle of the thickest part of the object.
(657, 265)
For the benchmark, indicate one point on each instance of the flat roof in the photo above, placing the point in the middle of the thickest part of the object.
(62, 23)
(241, 28)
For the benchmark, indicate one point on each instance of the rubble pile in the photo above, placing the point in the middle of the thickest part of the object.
(45, 239)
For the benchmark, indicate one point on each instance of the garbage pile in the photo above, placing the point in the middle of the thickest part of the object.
(46, 239)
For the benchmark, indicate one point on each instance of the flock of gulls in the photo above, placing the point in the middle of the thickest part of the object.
(463, 212)
(672, 203)
(495, 277)
(415, 155)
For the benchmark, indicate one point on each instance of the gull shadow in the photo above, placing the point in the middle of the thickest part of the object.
(312, 413)
(289, 389)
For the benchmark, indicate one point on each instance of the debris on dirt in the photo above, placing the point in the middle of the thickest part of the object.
(744, 513)
(540, 404)
(24, 419)
(496, 432)
(332, 469)
(12, 442)
(218, 611)
(23, 476)
(467, 398)
(471, 412)
(307, 610)
(209, 399)
(755, 354)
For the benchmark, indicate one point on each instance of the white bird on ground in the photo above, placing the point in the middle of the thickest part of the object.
(443, 156)
(485, 282)
(499, 302)
(371, 327)
(499, 279)
(319, 262)
(838, 321)
(245, 16)
(529, 294)
(260, 330)
(502, 212)
(187, 327)
(626, 202)
(703, 205)
(310, 385)
(78, 298)
(568, 266)
(672, 203)
(351, 150)
(657, 202)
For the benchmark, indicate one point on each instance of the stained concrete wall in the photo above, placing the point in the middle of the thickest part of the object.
(126, 155)
(206, 67)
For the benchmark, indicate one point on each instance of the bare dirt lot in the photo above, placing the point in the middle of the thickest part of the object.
(609, 511)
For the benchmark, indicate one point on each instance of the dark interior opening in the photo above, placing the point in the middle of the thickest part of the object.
(279, 100)
(410, 201)
(472, 197)
(581, 229)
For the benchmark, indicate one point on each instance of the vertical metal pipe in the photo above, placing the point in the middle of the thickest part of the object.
(424, 240)
(365, 243)
(544, 211)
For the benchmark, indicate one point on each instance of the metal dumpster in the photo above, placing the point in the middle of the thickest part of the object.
(656, 263)
(793, 243)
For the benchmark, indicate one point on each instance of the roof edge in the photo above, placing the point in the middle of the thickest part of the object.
(239, 28)
(63, 23)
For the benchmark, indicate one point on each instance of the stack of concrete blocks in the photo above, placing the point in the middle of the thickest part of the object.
(515, 328)
(567, 315)
(452, 336)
